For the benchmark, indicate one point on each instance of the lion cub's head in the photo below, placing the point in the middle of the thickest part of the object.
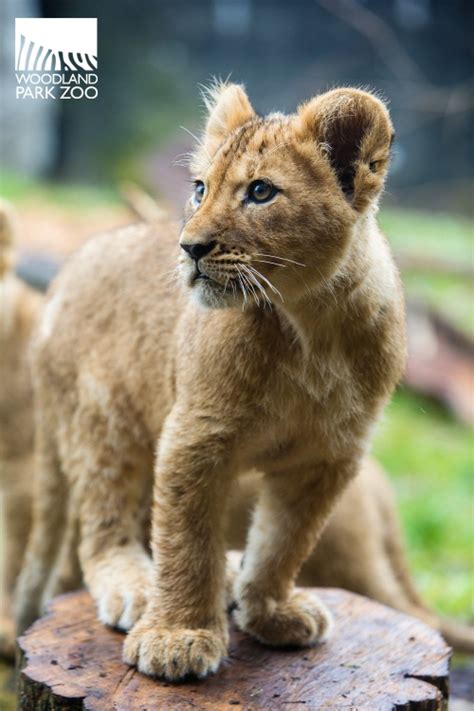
(276, 198)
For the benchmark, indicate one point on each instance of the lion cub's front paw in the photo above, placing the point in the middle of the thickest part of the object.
(173, 654)
(122, 608)
(121, 592)
(300, 621)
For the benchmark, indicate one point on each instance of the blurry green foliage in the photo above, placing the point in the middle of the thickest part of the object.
(429, 457)
(17, 188)
(448, 238)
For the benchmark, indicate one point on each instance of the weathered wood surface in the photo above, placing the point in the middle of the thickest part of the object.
(377, 659)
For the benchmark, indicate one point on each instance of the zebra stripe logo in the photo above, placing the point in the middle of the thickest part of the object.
(55, 44)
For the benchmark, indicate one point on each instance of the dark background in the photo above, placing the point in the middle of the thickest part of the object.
(154, 53)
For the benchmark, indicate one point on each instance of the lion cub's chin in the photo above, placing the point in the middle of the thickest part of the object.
(212, 295)
(207, 293)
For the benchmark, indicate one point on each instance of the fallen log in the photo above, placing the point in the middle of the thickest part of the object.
(376, 659)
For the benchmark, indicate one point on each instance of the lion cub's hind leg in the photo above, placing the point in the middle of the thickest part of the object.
(110, 474)
(66, 572)
(47, 530)
(15, 521)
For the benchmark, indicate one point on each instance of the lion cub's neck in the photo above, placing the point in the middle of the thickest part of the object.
(351, 299)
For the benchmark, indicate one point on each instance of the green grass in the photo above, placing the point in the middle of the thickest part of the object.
(429, 455)
(17, 188)
(446, 237)
(435, 234)
(430, 459)
(7, 687)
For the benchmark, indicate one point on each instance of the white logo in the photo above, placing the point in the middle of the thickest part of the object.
(56, 57)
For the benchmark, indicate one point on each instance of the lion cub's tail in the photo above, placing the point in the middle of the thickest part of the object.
(460, 637)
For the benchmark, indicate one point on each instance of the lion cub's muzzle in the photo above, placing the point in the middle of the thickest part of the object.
(197, 250)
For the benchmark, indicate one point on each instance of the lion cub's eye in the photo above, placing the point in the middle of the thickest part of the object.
(199, 190)
(261, 191)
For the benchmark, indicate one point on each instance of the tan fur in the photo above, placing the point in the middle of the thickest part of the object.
(19, 310)
(131, 377)
(361, 548)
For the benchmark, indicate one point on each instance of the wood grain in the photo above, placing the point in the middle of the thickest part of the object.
(377, 659)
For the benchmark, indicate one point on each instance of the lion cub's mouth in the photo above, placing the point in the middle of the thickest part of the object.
(200, 276)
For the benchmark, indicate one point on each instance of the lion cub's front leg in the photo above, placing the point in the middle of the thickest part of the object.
(184, 629)
(289, 517)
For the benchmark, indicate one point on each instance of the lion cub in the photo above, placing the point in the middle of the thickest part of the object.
(19, 311)
(279, 354)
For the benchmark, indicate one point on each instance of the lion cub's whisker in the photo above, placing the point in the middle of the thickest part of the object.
(252, 283)
(265, 299)
(275, 256)
(172, 276)
(253, 275)
(259, 286)
(242, 287)
(267, 281)
(251, 288)
(226, 284)
(266, 261)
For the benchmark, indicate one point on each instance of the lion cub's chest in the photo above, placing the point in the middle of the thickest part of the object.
(308, 408)
(320, 381)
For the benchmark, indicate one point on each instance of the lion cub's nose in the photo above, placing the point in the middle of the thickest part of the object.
(199, 249)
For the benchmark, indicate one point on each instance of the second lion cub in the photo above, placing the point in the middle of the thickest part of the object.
(279, 354)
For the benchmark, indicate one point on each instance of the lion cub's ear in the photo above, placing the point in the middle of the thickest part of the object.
(228, 107)
(354, 129)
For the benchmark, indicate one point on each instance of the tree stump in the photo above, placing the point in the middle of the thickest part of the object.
(376, 659)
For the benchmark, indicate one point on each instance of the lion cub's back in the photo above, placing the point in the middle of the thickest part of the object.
(113, 306)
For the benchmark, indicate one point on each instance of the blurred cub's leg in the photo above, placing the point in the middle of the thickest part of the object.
(361, 549)
(19, 310)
